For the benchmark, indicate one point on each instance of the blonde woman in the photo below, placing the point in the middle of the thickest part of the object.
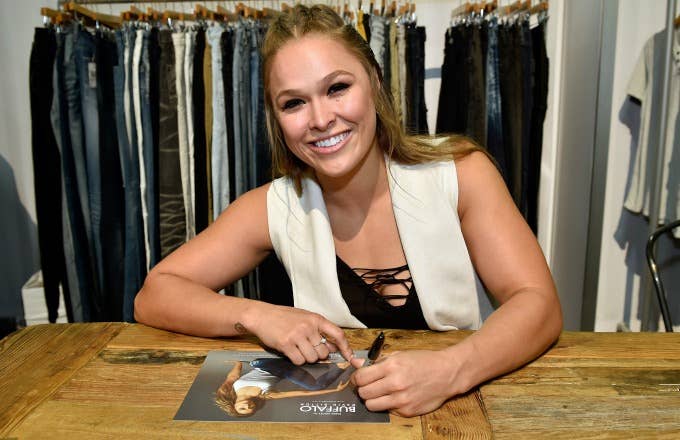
(375, 229)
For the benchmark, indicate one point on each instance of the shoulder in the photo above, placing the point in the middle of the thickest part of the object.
(479, 182)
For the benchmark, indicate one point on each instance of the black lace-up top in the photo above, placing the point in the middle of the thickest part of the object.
(360, 289)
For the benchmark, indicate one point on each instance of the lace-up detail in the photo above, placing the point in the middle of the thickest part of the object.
(378, 279)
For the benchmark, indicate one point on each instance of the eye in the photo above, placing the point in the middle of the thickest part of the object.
(291, 104)
(337, 88)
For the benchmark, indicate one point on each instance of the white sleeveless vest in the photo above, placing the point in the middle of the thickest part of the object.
(424, 199)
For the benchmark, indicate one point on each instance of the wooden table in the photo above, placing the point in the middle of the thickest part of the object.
(115, 380)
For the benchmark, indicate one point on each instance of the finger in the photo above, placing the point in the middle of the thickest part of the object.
(337, 337)
(374, 390)
(322, 350)
(295, 356)
(306, 347)
(370, 374)
(381, 403)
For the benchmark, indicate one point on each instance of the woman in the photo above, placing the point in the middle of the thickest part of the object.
(242, 395)
(426, 225)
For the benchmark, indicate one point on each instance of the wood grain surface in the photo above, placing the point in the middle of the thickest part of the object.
(113, 380)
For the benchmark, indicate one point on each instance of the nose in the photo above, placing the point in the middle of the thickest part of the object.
(321, 116)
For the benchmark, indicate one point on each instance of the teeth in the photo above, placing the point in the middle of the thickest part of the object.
(331, 141)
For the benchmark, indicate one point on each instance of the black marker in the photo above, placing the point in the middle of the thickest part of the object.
(376, 347)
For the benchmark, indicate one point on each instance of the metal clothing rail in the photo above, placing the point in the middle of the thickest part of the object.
(650, 316)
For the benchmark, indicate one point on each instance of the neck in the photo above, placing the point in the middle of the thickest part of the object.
(364, 184)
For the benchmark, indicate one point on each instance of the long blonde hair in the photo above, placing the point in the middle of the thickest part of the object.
(391, 138)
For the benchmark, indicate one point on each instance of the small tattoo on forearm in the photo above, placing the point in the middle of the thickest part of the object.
(240, 328)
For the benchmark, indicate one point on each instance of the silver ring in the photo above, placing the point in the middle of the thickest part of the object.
(322, 341)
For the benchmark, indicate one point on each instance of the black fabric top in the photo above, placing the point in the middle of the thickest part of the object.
(360, 292)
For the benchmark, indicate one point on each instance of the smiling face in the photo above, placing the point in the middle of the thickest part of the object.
(322, 99)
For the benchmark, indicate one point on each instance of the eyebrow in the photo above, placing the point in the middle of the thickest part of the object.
(328, 78)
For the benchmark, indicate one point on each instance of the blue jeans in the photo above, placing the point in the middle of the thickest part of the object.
(133, 236)
(494, 121)
(285, 369)
(67, 124)
(87, 78)
(237, 72)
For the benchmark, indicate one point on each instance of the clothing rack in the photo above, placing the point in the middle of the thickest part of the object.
(650, 315)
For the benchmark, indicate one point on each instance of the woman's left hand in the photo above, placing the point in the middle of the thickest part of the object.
(408, 383)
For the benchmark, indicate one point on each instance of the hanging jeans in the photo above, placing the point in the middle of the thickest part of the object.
(178, 41)
(133, 270)
(47, 173)
(453, 93)
(200, 158)
(227, 46)
(67, 124)
(538, 111)
(417, 114)
(170, 197)
(219, 150)
(112, 192)
(494, 121)
(526, 54)
(148, 145)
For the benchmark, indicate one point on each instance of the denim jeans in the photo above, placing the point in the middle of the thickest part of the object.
(198, 100)
(133, 233)
(178, 41)
(539, 108)
(47, 172)
(219, 150)
(112, 190)
(377, 41)
(67, 125)
(87, 79)
(526, 52)
(511, 103)
(245, 109)
(256, 124)
(494, 121)
(146, 153)
(453, 93)
(138, 149)
(417, 116)
(237, 72)
(189, 42)
(170, 197)
(227, 46)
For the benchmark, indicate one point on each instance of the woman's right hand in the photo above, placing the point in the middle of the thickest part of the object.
(297, 333)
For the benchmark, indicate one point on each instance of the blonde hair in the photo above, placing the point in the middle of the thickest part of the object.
(300, 21)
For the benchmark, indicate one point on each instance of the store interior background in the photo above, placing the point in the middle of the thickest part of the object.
(595, 248)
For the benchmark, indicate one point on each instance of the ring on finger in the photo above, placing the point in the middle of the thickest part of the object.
(322, 341)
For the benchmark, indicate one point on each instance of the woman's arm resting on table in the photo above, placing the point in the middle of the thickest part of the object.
(179, 294)
(511, 265)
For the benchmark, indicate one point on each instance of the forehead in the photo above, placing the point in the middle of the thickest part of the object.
(308, 59)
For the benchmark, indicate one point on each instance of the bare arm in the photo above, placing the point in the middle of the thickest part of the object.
(510, 263)
(180, 293)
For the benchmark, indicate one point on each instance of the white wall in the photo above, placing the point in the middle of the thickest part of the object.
(18, 233)
(624, 234)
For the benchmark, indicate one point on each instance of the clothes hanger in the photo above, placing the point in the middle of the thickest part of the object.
(77, 10)
(54, 17)
(538, 8)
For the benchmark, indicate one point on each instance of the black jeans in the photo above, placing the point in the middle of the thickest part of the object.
(113, 194)
(170, 197)
(511, 104)
(200, 154)
(47, 173)
(416, 111)
(453, 94)
(540, 105)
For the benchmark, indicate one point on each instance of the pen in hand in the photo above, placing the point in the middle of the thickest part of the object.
(374, 352)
